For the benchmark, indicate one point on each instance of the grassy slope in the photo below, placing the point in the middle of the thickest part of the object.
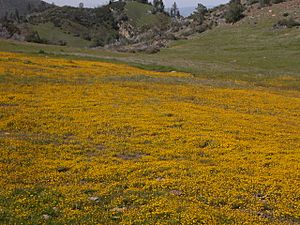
(249, 51)
(140, 15)
(53, 34)
(9, 6)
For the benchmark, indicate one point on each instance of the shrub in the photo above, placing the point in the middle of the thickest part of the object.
(235, 12)
(251, 2)
(264, 2)
(35, 37)
(269, 2)
(41, 51)
(199, 14)
(287, 23)
(277, 1)
(286, 14)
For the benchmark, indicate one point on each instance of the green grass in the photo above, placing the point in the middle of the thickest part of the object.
(54, 35)
(141, 17)
(250, 51)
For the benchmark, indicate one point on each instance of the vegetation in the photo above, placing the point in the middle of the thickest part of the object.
(86, 27)
(86, 142)
(97, 26)
(256, 54)
(140, 16)
(16, 9)
(57, 36)
(205, 131)
(268, 2)
(235, 11)
(199, 14)
(287, 23)
(159, 6)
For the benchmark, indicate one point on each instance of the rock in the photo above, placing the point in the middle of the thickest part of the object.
(46, 216)
(119, 210)
(62, 169)
(160, 179)
(4, 33)
(94, 199)
(176, 192)
(126, 30)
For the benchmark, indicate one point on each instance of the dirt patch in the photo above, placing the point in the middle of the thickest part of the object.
(131, 156)
(8, 105)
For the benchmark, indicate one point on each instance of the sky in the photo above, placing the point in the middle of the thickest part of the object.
(180, 3)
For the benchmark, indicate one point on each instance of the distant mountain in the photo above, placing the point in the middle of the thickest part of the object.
(22, 7)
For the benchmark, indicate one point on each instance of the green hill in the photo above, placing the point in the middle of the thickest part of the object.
(77, 27)
(252, 50)
(251, 46)
(140, 16)
(23, 7)
(83, 27)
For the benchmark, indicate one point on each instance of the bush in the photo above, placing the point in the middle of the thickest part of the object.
(11, 28)
(264, 2)
(269, 2)
(287, 23)
(277, 1)
(251, 2)
(199, 14)
(35, 37)
(286, 14)
(41, 51)
(235, 12)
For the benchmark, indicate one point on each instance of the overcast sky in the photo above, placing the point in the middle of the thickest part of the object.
(180, 3)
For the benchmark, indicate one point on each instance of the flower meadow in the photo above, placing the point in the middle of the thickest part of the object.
(86, 142)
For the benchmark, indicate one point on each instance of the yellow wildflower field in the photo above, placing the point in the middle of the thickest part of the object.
(86, 142)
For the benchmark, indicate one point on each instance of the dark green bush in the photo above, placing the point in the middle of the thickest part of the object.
(235, 12)
(269, 2)
(35, 37)
(288, 23)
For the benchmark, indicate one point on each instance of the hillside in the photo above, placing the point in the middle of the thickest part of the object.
(204, 131)
(252, 50)
(120, 22)
(141, 17)
(23, 7)
(129, 26)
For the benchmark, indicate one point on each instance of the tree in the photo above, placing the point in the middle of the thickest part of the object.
(175, 11)
(17, 15)
(234, 12)
(142, 1)
(158, 6)
(29, 7)
(199, 14)
(81, 5)
(5, 18)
